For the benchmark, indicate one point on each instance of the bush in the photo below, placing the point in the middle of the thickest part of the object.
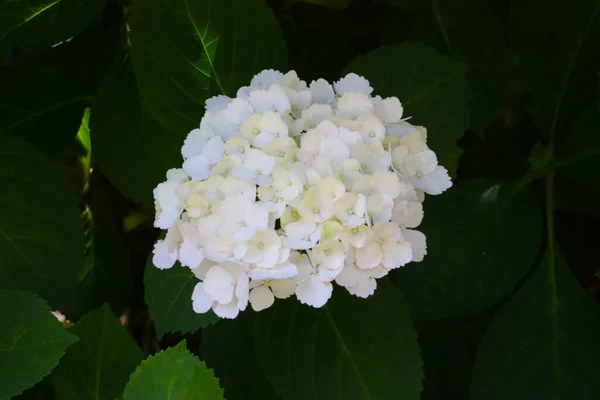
(96, 99)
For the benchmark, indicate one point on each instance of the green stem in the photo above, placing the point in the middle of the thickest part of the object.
(551, 263)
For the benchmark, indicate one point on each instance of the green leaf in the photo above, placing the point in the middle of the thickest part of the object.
(352, 348)
(544, 341)
(468, 31)
(481, 240)
(41, 239)
(406, 4)
(540, 156)
(132, 149)
(34, 23)
(173, 374)
(449, 353)
(31, 341)
(578, 162)
(559, 58)
(169, 297)
(333, 4)
(579, 157)
(105, 275)
(228, 347)
(433, 90)
(41, 391)
(184, 51)
(39, 108)
(99, 365)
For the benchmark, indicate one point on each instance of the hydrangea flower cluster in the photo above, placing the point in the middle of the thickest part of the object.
(289, 187)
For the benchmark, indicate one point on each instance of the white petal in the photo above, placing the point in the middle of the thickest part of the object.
(314, 292)
(348, 276)
(229, 310)
(396, 254)
(352, 83)
(189, 254)
(322, 91)
(194, 143)
(266, 78)
(242, 291)
(162, 258)
(368, 256)
(177, 175)
(201, 303)
(214, 150)
(281, 103)
(283, 288)
(418, 243)
(327, 275)
(218, 284)
(365, 287)
(201, 270)
(278, 272)
(261, 298)
(353, 104)
(217, 103)
(389, 110)
(242, 173)
(244, 233)
(197, 167)
(436, 182)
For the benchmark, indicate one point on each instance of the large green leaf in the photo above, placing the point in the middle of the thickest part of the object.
(481, 240)
(544, 343)
(41, 391)
(559, 57)
(41, 239)
(578, 162)
(449, 353)
(228, 348)
(31, 341)
(173, 374)
(46, 22)
(406, 4)
(39, 108)
(105, 275)
(433, 90)
(579, 158)
(99, 365)
(184, 51)
(469, 31)
(132, 149)
(350, 349)
(169, 298)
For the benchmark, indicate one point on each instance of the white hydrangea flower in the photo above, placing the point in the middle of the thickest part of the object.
(225, 289)
(263, 293)
(353, 83)
(287, 189)
(321, 91)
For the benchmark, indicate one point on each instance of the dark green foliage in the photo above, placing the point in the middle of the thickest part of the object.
(96, 98)
(349, 349)
(31, 341)
(174, 373)
(222, 344)
(39, 108)
(186, 51)
(41, 240)
(544, 340)
(484, 256)
(99, 364)
(37, 23)
(169, 299)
